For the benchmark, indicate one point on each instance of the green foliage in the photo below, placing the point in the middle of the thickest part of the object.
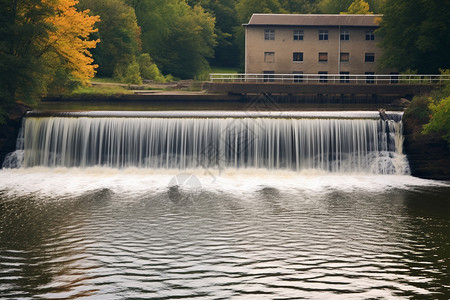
(359, 7)
(23, 67)
(299, 6)
(439, 118)
(445, 90)
(132, 74)
(226, 52)
(334, 6)
(149, 70)
(439, 107)
(245, 8)
(180, 38)
(418, 109)
(118, 32)
(415, 35)
(377, 6)
(338, 6)
(129, 74)
(37, 52)
(61, 82)
(105, 90)
(190, 59)
(223, 70)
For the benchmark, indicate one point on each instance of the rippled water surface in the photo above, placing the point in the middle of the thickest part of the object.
(110, 234)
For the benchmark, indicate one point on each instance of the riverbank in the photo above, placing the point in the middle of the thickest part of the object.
(428, 154)
(10, 130)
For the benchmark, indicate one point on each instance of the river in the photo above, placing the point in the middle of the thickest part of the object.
(246, 231)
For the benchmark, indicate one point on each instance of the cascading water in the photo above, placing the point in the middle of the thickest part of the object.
(335, 144)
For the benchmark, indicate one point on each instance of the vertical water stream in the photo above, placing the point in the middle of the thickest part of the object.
(333, 144)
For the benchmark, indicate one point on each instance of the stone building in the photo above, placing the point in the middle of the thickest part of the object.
(312, 44)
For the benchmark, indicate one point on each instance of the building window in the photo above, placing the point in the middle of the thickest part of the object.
(268, 76)
(298, 35)
(369, 57)
(345, 57)
(298, 57)
(370, 78)
(269, 34)
(323, 77)
(345, 78)
(370, 36)
(323, 35)
(323, 56)
(269, 57)
(345, 35)
(298, 77)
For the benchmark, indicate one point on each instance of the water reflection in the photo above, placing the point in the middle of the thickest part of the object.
(271, 243)
(429, 239)
(42, 246)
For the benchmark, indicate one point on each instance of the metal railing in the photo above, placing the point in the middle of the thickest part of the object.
(330, 78)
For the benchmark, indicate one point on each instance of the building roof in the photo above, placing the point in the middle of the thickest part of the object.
(314, 20)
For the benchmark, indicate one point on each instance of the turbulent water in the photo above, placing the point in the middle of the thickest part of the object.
(344, 221)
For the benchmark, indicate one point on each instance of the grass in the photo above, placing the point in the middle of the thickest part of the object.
(224, 70)
(204, 76)
(104, 80)
(101, 90)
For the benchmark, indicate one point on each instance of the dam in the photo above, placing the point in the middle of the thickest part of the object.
(328, 141)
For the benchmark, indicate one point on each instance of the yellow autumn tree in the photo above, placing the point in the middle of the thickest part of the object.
(359, 7)
(44, 45)
(69, 38)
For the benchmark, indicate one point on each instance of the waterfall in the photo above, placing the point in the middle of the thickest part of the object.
(342, 145)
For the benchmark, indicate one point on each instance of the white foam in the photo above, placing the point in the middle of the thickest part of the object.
(57, 182)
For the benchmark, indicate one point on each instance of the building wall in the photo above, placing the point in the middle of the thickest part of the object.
(284, 46)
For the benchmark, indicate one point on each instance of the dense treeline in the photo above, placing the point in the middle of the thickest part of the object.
(44, 46)
(416, 35)
(55, 45)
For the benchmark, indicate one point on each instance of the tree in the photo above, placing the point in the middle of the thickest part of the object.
(149, 70)
(439, 118)
(299, 6)
(338, 6)
(22, 69)
(179, 38)
(439, 106)
(333, 6)
(119, 33)
(226, 52)
(193, 30)
(359, 7)
(415, 35)
(39, 38)
(132, 74)
(246, 8)
(69, 38)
